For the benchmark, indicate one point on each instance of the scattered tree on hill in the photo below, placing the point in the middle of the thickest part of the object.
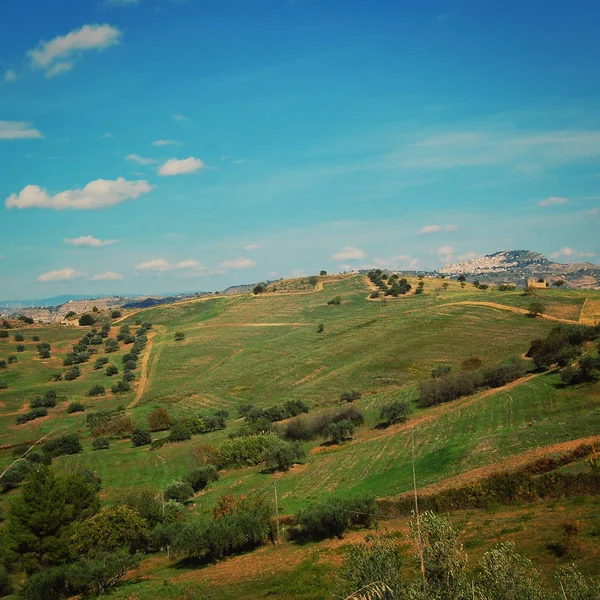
(445, 285)
(535, 308)
(73, 373)
(20, 348)
(285, 456)
(19, 337)
(180, 491)
(200, 477)
(461, 278)
(396, 412)
(350, 396)
(323, 273)
(335, 301)
(86, 320)
(96, 390)
(3, 363)
(258, 289)
(340, 431)
(75, 407)
(101, 443)
(313, 280)
(320, 328)
(140, 437)
(472, 363)
(559, 283)
(179, 336)
(3, 333)
(159, 420)
(111, 370)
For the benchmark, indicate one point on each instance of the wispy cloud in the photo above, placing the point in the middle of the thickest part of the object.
(553, 201)
(251, 247)
(18, 130)
(571, 253)
(179, 118)
(349, 253)
(107, 276)
(66, 274)
(397, 263)
(160, 265)
(237, 263)
(10, 75)
(58, 55)
(428, 229)
(89, 241)
(140, 160)
(95, 195)
(181, 167)
(166, 143)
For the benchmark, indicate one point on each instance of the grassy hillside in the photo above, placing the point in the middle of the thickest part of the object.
(265, 350)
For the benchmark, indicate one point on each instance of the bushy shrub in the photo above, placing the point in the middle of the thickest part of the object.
(200, 477)
(159, 420)
(3, 363)
(500, 375)
(140, 437)
(128, 376)
(19, 337)
(279, 412)
(86, 320)
(180, 491)
(96, 390)
(250, 450)
(350, 396)
(320, 328)
(101, 443)
(12, 359)
(15, 475)
(111, 345)
(51, 584)
(284, 456)
(339, 431)
(205, 455)
(6, 586)
(73, 373)
(180, 431)
(305, 428)
(586, 370)
(179, 336)
(20, 348)
(396, 412)
(336, 515)
(100, 362)
(214, 423)
(111, 370)
(447, 389)
(335, 301)
(3, 384)
(121, 387)
(63, 445)
(75, 407)
(36, 413)
(440, 371)
(561, 345)
(246, 526)
(3, 333)
(48, 400)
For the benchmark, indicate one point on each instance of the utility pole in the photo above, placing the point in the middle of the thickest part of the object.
(412, 433)
(276, 510)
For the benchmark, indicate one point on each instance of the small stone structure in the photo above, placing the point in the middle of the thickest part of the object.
(538, 284)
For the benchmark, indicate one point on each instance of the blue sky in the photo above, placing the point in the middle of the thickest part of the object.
(161, 145)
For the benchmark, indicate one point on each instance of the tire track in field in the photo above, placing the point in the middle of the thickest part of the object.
(144, 370)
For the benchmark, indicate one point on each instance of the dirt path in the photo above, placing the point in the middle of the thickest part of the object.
(506, 464)
(143, 371)
(513, 309)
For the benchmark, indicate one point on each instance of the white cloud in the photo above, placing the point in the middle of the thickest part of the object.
(237, 263)
(140, 160)
(397, 263)
(429, 229)
(160, 265)
(58, 68)
(180, 167)
(62, 275)
(166, 143)
(57, 55)
(445, 253)
(10, 75)
(179, 118)
(436, 229)
(570, 252)
(89, 241)
(17, 130)
(107, 276)
(106, 136)
(349, 253)
(251, 247)
(96, 194)
(554, 200)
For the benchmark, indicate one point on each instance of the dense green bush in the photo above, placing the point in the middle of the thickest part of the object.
(12, 359)
(200, 477)
(561, 345)
(3, 363)
(19, 337)
(250, 450)
(75, 407)
(86, 320)
(440, 371)
(336, 515)
(73, 373)
(62, 445)
(246, 527)
(335, 301)
(284, 456)
(121, 387)
(396, 412)
(350, 396)
(279, 412)
(101, 443)
(100, 362)
(36, 413)
(140, 437)
(500, 375)
(3, 333)
(180, 491)
(159, 420)
(304, 427)
(111, 345)
(111, 370)
(339, 431)
(15, 475)
(48, 400)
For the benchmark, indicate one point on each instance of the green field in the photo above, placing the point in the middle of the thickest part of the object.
(265, 350)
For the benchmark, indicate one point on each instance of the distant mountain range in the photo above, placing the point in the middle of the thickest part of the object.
(516, 266)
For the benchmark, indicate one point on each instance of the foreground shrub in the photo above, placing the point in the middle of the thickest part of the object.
(336, 515)
(243, 527)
